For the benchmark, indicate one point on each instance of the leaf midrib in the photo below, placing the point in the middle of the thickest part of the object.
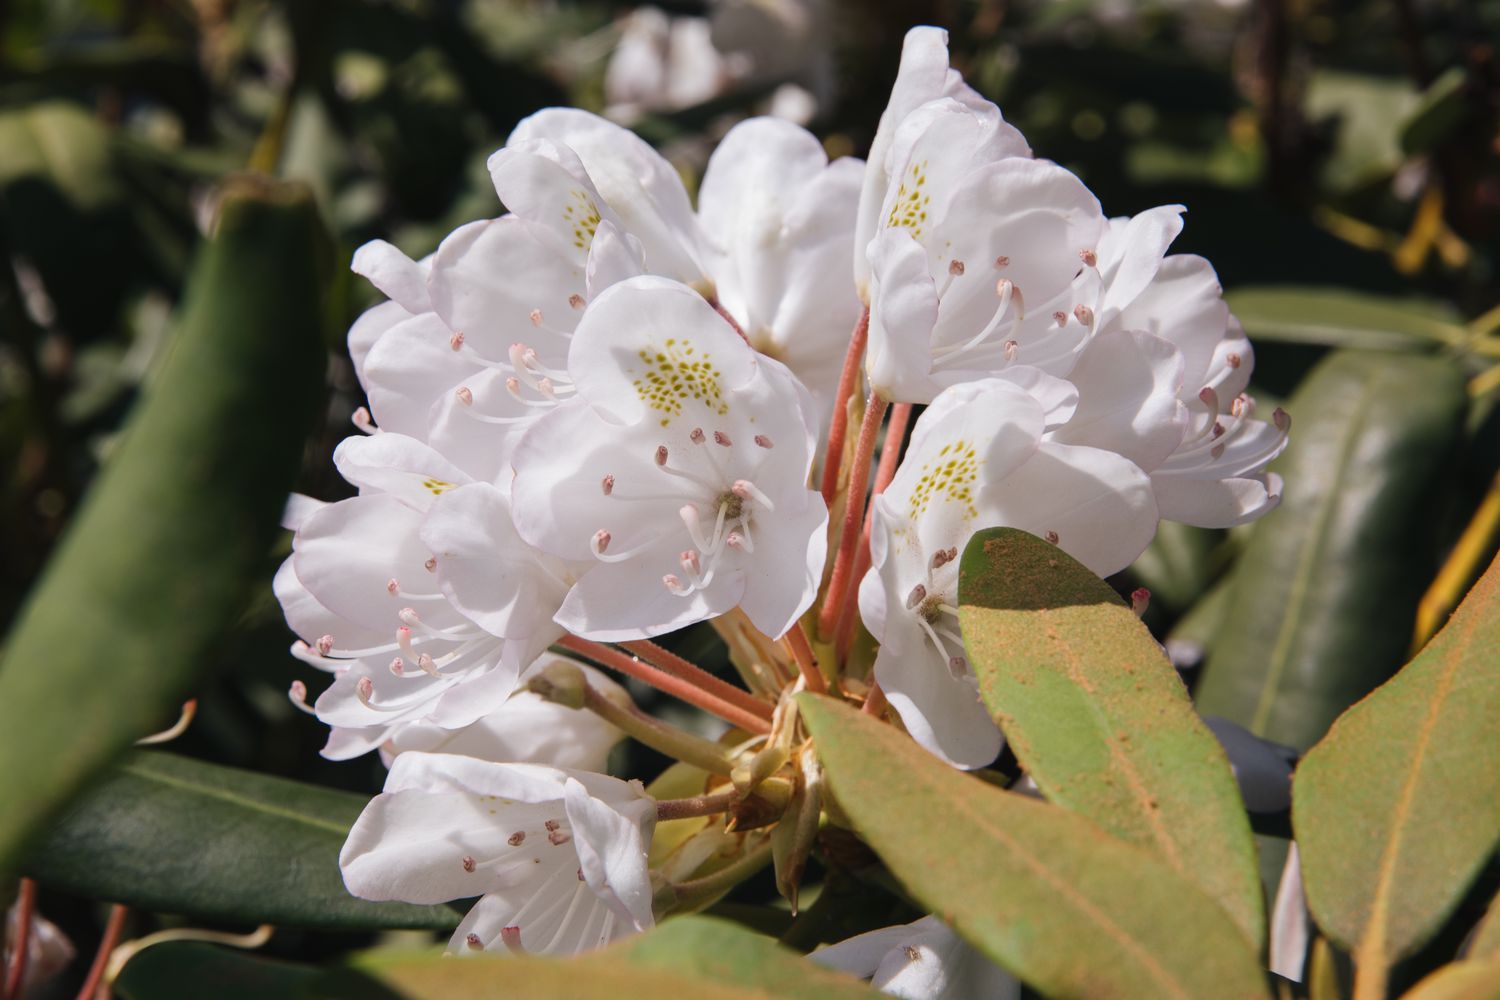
(223, 796)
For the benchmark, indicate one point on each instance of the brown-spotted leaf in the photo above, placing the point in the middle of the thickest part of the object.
(1097, 715)
(1398, 807)
(1042, 891)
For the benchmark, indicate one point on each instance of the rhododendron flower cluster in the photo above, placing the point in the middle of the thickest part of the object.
(612, 413)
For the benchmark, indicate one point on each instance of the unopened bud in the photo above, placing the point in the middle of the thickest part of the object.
(1140, 600)
(562, 682)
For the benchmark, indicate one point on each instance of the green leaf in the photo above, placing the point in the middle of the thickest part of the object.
(1368, 111)
(156, 564)
(694, 957)
(1486, 940)
(193, 970)
(1324, 595)
(176, 835)
(721, 951)
(1099, 718)
(1442, 109)
(1398, 808)
(1040, 890)
(1338, 317)
(1178, 565)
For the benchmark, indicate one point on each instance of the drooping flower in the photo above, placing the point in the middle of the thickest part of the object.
(557, 857)
(680, 471)
(978, 458)
(417, 595)
(48, 950)
(779, 220)
(923, 960)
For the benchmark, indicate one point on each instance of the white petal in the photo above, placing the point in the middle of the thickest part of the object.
(618, 602)
(397, 275)
(611, 840)
(613, 257)
(1132, 255)
(1128, 383)
(485, 570)
(1183, 304)
(903, 312)
(396, 465)
(410, 367)
(1216, 503)
(943, 713)
(775, 597)
(370, 327)
(1099, 504)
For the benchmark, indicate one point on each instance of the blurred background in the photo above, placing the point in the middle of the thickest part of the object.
(1340, 162)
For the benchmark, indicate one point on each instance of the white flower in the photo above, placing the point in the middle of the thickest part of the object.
(663, 63)
(1163, 379)
(680, 470)
(924, 76)
(526, 728)
(779, 219)
(979, 458)
(557, 857)
(565, 172)
(923, 960)
(417, 595)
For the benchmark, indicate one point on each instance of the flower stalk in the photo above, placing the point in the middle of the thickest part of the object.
(833, 460)
(658, 736)
(669, 661)
(696, 892)
(841, 584)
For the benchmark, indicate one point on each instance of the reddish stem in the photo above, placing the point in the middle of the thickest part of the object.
(677, 687)
(875, 702)
(112, 930)
(674, 664)
(796, 641)
(890, 457)
(698, 805)
(854, 509)
(833, 457)
(25, 909)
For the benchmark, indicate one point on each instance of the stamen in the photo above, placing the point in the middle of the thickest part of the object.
(1232, 360)
(511, 938)
(577, 301)
(403, 640)
(956, 268)
(746, 490)
(1002, 261)
(690, 562)
(465, 396)
(1140, 600)
(674, 585)
(472, 940)
(297, 695)
(469, 864)
(1084, 313)
(1282, 420)
(324, 645)
(1218, 428)
(943, 557)
(763, 441)
(1052, 537)
(427, 666)
(661, 454)
(536, 317)
(1209, 398)
(697, 436)
(958, 666)
(607, 484)
(1011, 347)
(516, 839)
(916, 597)
(398, 667)
(600, 542)
(363, 689)
(361, 419)
(456, 342)
(557, 838)
(392, 587)
(1089, 258)
(1061, 318)
(431, 564)
(722, 439)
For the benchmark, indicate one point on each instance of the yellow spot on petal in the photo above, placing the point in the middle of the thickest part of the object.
(950, 476)
(436, 486)
(676, 375)
(912, 202)
(583, 218)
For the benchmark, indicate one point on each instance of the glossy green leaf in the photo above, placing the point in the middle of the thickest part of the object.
(1324, 595)
(1441, 110)
(686, 957)
(1178, 565)
(1040, 890)
(193, 970)
(1338, 317)
(176, 835)
(1398, 807)
(1098, 716)
(157, 562)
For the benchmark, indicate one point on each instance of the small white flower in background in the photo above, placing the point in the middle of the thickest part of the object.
(680, 470)
(556, 857)
(923, 960)
(978, 457)
(779, 220)
(48, 950)
(663, 63)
